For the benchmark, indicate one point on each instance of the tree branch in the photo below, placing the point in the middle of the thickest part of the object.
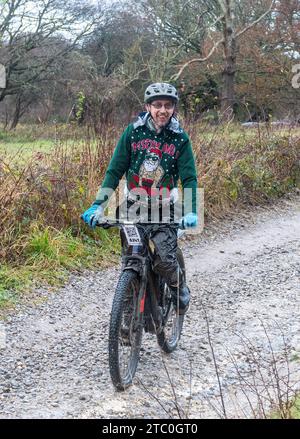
(215, 46)
(241, 32)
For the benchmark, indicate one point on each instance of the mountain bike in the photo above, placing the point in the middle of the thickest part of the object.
(142, 303)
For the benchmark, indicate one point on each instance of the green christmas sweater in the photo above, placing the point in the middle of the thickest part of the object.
(152, 161)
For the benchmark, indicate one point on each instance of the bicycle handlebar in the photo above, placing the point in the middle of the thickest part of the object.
(107, 224)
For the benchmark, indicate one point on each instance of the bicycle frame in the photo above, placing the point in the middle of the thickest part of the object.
(139, 259)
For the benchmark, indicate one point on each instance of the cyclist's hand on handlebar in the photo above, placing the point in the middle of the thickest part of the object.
(190, 220)
(93, 215)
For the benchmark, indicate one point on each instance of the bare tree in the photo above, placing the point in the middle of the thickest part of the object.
(228, 40)
(203, 27)
(34, 36)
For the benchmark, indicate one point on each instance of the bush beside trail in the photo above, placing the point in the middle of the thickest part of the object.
(41, 235)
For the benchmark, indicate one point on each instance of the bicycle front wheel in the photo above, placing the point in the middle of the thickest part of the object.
(125, 335)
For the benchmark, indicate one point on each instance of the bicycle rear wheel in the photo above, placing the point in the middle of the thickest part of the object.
(169, 337)
(125, 335)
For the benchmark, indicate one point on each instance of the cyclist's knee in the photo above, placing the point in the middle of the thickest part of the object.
(167, 268)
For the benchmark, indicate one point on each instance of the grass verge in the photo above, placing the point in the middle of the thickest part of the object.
(48, 257)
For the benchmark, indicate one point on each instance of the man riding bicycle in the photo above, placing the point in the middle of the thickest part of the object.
(154, 152)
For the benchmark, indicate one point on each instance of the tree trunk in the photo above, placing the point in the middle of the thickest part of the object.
(17, 114)
(228, 73)
(228, 81)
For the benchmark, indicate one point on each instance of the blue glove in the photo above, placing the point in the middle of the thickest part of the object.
(190, 220)
(93, 215)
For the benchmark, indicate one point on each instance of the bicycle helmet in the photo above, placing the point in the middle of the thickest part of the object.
(160, 90)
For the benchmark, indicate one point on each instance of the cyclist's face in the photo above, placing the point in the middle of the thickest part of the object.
(161, 111)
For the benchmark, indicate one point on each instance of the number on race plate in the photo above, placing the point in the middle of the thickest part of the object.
(132, 235)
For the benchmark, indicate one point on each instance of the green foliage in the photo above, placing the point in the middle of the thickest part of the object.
(11, 280)
(53, 248)
(80, 106)
(6, 298)
(295, 409)
(290, 410)
(295, 357)
(201, 100)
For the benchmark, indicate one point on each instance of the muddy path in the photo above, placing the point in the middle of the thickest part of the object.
(244, 275)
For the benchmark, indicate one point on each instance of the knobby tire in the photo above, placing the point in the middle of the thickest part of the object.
(169, 337)
(123, 311)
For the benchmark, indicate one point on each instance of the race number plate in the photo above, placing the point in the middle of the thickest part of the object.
(132, 235)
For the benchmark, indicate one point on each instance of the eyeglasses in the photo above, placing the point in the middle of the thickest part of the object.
(159, 106)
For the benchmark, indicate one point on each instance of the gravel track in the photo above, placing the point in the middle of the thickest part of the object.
(244, 277)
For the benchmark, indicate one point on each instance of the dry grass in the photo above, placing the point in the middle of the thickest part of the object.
(52, 188)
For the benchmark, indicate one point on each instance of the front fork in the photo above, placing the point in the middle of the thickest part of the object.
(147, 297)
(139, 264)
